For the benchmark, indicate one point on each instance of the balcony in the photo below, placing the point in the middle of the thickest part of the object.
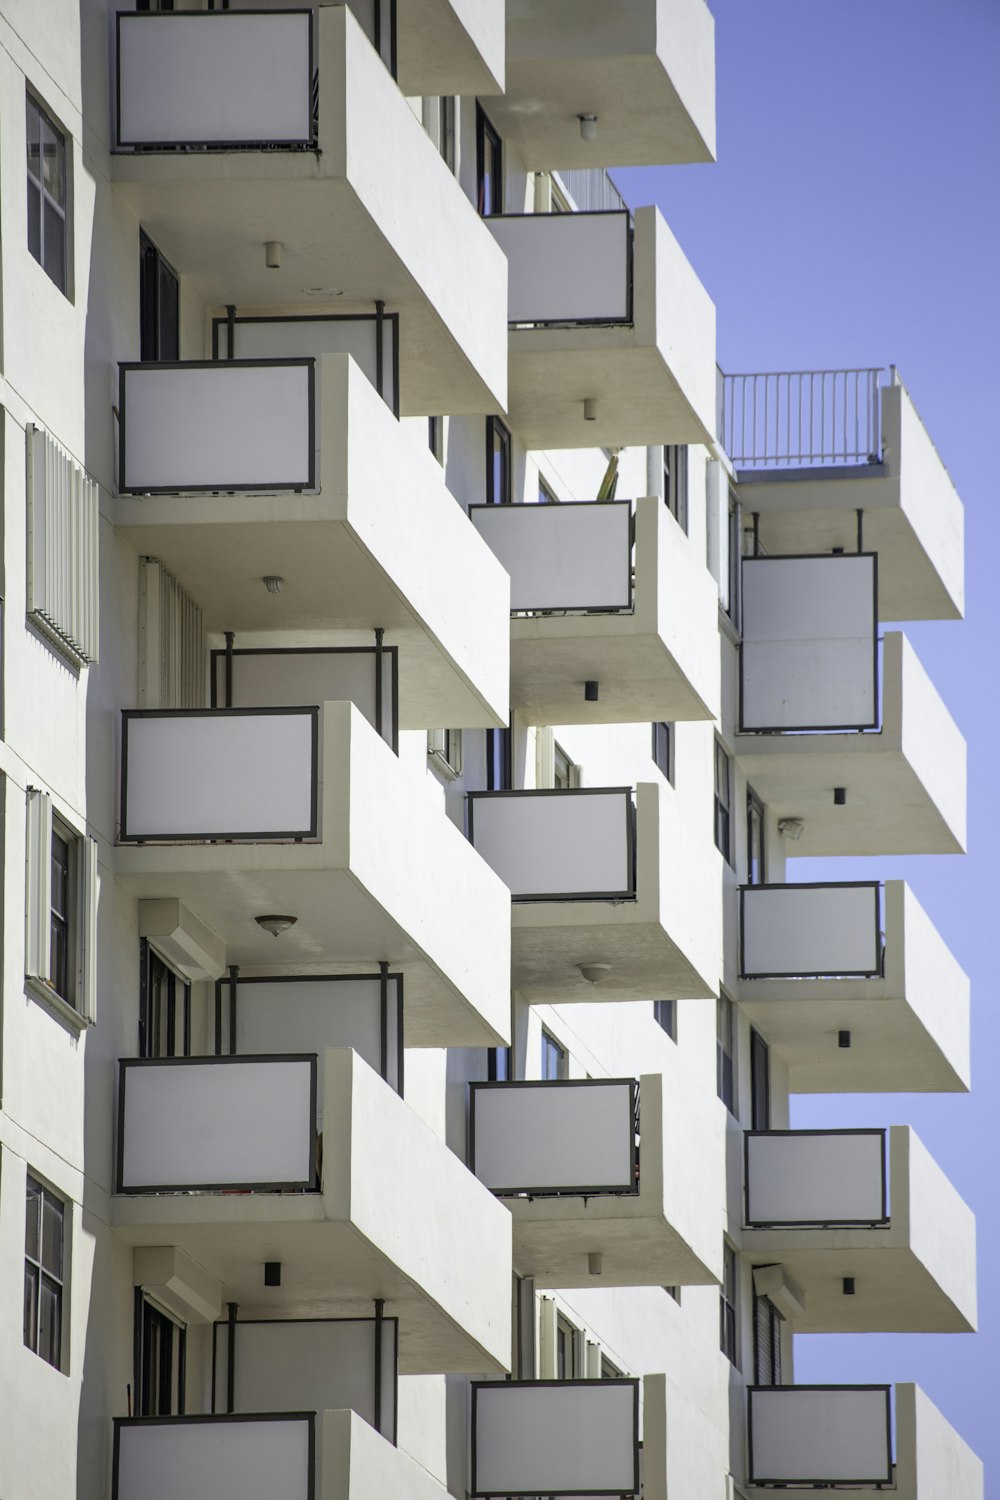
(631, 894)
(592, 1207)
(577, 616)
(837, 1209)
(555, 1437)
(328, 1455)
(241, 1160)
(218, 150)
(832, 1437)
(815, 739)
(612, 335)
(647, 72)
(820, 960)
(812, 449)
(357, 880)
(359, 556)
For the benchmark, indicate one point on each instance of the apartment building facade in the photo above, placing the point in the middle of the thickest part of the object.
(421, 669)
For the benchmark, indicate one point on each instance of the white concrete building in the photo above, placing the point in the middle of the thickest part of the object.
(405, 976)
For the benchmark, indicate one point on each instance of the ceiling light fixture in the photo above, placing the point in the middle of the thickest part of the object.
(275, 925)
(594, 973)
(588, 127)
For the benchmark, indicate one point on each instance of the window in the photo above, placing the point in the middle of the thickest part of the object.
(44, 1254)
(60, 915)
(435, 437)
(723, 802)
(498, 470)
(489, 166)
(565, 773)
(674, 1292)
(47, 194)
(164, 1008)
(444, 751)
(160, 1350)
(663, 750)
(553, 1058)
(499, 761)
(665, 1015)
(498, 1069)
(725, 1053)
(438, 113)
(566, 1346)
(159, 304)
(546, 496)
(675, 482)
(755, 839)
(609, 1370)
(767, 1322)
(727, 1304)
(733, 609)
(760, 1083)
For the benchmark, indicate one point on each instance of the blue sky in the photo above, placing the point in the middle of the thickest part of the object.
(852, 219)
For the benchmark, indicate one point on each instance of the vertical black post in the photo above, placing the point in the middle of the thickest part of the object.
(181, 1369)
(218, 1018)
(234, 970)
(383, 974)
(379, 634)
(230, 643)
(231, 1308)
(231, 329)
(756, 533)
(861, 530)
(138, 1303)
(379, 1315)
(379, 329)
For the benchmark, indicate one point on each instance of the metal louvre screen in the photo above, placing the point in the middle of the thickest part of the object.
(569, 1437)
(310, 1364)
(285, 678)
(562, 845)
(63, 525)
(566, 268)
(810, 932)
(157, 1459)
(202, 1124)
(815, 1177)
(820, 1435)
(219, 774)
(555, 1137)
(562, 557)
(215, 79)
(810, 636)
(216, 425)
(295, 338)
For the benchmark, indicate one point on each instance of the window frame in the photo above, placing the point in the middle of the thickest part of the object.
(756, 813)
(774, 1320)
(665, 1016)
(553, 1050)
(499, 760)
(567, 1348)
(169, 1384)
(489, 143)
(445, 751)
(675, 482)
(35, 1267)
(726, 1053)
(152, 266)
(723, 808)
(499, 445)
(36, 183)
(76, 1008)
(760, 1082)
(729, 1305)
(663, 748)
(153, 967)
(565, 771)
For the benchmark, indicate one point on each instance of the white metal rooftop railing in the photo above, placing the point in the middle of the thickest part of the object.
(802, 418)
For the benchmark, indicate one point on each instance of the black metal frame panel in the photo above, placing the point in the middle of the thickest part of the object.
(310, 143)
(189, 1421)
(583, 791)
(581, 609)
(807, 1481)
(879, 1223)
(125, 1064)
(220, 325)
(815, 885)
(598, 213)
(606, 1189)
(241, 836)
(477, 1385)
(222, 655)
(125, 366)
(875, 723)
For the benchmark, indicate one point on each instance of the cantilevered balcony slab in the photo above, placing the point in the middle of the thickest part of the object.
(819, 960)
(359, 891)
(647, 71)
(911, 513)
(904, 783)
(827, 1205)
(240, 85)
(363, 1233)
(577, 615)
(604, 316)
(579, 898)
(563, 1156)
(841, 1437)
(449, 47)
(380, 543)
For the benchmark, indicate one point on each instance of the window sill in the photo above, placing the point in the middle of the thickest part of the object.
(57, 1007)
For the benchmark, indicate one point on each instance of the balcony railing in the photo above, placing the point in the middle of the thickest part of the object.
(574, 1136)
(567, 845)
(287, 676)
(219, 774)
(371, 339)
(211, 1124)
(820, 1435)
(555, 1437)
(566, 268)
(574, 557)
(815, 931)
(809, 654)
(171, 1458)
(220, 425)
(215, 80)
(815, 1178)
(802, 418)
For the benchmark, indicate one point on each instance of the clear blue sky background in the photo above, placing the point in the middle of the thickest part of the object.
(852, 219)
